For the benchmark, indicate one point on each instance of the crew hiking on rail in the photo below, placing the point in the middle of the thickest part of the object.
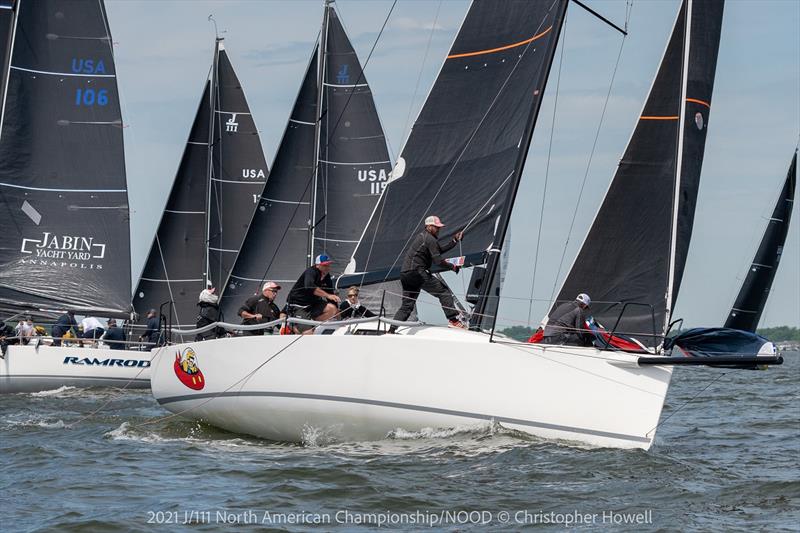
(312, 296)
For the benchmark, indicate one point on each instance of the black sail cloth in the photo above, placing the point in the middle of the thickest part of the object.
(329, 171)
(463, 158)
(63, 193)
(752, 298)
(216, 190)
(636, 248)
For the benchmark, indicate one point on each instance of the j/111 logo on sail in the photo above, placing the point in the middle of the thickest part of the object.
(64, 247)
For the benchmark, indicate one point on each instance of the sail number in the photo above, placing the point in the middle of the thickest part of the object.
(91, 97)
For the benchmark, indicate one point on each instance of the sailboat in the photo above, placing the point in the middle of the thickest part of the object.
(63, 189)
(216, 191)
(738, 336)
(330, 169)
(752, 298)
(471, 137)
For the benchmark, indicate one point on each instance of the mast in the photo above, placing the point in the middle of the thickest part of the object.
(494, 252)
(679, 164)
(321, 62)
(210, 167)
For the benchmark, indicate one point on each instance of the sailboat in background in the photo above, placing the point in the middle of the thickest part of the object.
(738, 336)
(216, 190)
(329, 171)
(749, 305)
(63, 189)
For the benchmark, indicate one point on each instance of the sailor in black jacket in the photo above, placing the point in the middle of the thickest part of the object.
(424, 252)
(567, 323)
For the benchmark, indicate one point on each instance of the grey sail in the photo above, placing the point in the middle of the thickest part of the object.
(463, 158)
(219, 180)
(631, 262)
(328, 174)
(64, 215)
(752, 297)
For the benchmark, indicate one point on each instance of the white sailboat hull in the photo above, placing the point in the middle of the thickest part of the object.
(362, 387)
(34, 369)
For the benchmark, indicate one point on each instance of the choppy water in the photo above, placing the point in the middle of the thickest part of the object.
(728, 461)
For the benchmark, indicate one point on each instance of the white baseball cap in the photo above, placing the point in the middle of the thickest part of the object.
(433, 220)
(584, 299)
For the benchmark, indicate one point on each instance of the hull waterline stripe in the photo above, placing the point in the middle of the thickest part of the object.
(63, 73)
(45, 189)
(501, 48)
(408, 407)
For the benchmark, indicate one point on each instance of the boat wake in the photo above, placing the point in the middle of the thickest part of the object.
(31, 421)
(53, 392)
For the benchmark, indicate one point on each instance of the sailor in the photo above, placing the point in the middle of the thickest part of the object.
(208, 302)
(25, 330)
(424, 252)
(261, 308)
(567, 324)
(352, 308)
(115, 336)
(92, 328)
(312, 295)
(151, 334)
(63, 325)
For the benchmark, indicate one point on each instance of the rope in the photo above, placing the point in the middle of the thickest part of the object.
(547, 167)
(693, 398)
(589, 162)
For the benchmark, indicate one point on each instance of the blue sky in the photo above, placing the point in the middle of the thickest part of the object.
(164, 51)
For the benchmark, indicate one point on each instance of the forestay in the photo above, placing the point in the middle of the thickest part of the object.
(636, 248)
(64, 214)
(463, 158)
(219, 181)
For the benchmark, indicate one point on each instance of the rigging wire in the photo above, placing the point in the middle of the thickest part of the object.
(405, 130)
(693, 398)
(547, 168)
(591, 156)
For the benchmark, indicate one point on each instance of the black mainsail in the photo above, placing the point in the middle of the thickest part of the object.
(327, 176)
(64, 213)
(635, 251)
(464, 156)
(752, 298)
(216, 189)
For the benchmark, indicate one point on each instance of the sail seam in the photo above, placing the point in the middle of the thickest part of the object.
(172, 280)
(239, 181)
(185, 212)
(302, 122)
(286, 201)
(501, 48)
